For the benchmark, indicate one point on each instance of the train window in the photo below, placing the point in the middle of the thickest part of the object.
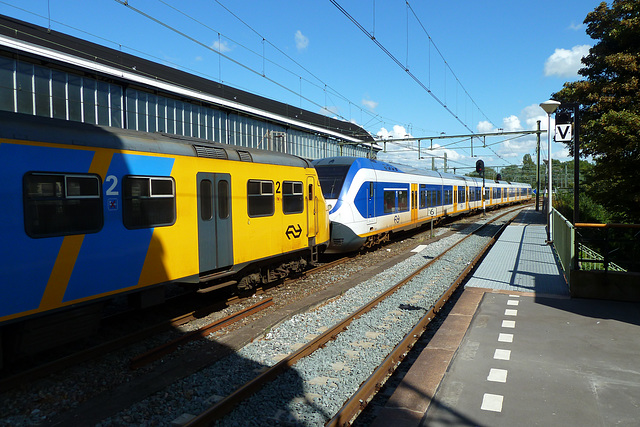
(389, 201)
(424, 195)
(462, 194)
(292, 197)
(260, 199)
(206, 200)
(223, 199)
(148, 202)
(403, 200)
(448, 197)
(61, 204)
(331, 179)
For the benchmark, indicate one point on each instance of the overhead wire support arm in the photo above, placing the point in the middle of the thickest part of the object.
(471, 135)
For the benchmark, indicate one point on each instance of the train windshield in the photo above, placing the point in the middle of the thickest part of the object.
(331, 179)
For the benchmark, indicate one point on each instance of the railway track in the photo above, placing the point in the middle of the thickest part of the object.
(354, 405)
(76, 358)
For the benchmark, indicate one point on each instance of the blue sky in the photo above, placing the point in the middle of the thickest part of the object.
(502, 59)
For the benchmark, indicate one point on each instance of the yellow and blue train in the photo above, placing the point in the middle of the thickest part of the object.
(89, 212)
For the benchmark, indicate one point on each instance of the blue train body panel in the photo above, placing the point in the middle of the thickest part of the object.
(113, 259)
(107, 261)
(28, 276)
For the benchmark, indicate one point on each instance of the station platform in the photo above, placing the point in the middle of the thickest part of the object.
(517, 350)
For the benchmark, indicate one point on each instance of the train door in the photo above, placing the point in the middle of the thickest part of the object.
(414, 202)
(312, 208)
(371, 205)
(215, 234)
(454, 199)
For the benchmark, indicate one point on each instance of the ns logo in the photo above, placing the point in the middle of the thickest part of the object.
(293, 231)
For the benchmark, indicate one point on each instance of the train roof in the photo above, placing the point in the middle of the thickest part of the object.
(383, 166)
(56, 131)
(74, 53)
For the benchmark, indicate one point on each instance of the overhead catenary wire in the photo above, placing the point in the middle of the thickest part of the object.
(320, 85)
(400, 64)
(446, 63)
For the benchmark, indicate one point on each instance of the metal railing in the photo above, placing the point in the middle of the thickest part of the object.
(563, 240)
(591, 260)
(604, 247)
(608, 247)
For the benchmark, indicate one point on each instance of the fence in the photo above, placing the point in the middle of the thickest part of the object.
(563, 240)
(599, 260)
(609, 247)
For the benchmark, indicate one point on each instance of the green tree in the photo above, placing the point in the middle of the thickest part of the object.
(609, 100)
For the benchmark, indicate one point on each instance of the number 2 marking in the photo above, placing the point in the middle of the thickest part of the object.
(114, 182)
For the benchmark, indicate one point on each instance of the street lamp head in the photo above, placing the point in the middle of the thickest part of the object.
(550, 106)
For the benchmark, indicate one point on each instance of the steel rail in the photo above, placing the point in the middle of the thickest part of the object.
(202, 332)
(227, 404)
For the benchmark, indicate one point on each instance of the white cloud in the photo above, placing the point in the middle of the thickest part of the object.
(511, 123)
(532, 114)
(369, 104)
(301, 40)
(485, 127)
(562, 155)
(566, 63)
(221, 46)
(396, 133)
(576, 27)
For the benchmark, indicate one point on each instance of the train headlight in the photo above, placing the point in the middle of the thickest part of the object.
(329, 207)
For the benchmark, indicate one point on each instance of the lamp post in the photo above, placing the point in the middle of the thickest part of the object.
(549, 107)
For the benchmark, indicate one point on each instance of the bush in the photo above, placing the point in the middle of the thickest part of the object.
(590, 211)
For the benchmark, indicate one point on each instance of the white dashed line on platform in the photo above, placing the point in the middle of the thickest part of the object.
(497, 375)
(505, 337)
(492, 402)
(501, 354)
(508, 323)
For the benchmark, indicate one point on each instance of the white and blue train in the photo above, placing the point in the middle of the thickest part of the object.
(368, 200)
